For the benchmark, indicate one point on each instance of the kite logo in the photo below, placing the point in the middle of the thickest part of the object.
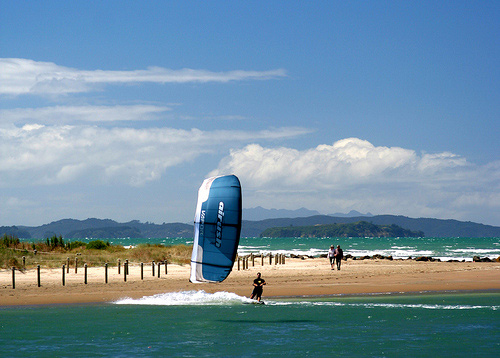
(202, 222)
(218, 228)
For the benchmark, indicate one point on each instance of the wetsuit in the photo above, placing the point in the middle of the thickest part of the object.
(257, 290)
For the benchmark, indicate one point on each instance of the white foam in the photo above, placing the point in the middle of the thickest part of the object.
(387, 305)
(186, 298)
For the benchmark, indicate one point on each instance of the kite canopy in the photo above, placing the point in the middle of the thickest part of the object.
(217, 226)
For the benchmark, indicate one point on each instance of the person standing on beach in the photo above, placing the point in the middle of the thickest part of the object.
(339, 254)
(331, 256)
(258, 284)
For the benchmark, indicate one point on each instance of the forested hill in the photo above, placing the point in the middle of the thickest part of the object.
(99, 228)
(358, 229)
(431, 227)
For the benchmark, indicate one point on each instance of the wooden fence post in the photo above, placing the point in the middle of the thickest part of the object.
(165, 262)
(262, 258)
(76, 264)
(67, 267)
(142, 271)
(85, 267)
(253, 259)
(125, 271)
(13, 277)
(63, 273)
(106, 272)
(153, 268)
(24, 261)
(239, 260)
(38, 275)
(159, 263)
(270, 259)
(119, 266)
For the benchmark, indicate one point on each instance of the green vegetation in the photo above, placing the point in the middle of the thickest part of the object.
(358, 229)
(98, 245)
(54, 252)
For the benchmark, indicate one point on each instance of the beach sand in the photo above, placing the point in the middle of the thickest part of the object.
(309, 277)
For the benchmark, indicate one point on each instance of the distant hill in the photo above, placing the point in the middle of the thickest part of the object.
(108, 229)
(14, 231)
(431, 227)
(105, 233)
(351, 214)
(260, 213)
(357, 229)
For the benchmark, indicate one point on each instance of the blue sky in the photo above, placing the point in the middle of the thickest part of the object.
(120, 109)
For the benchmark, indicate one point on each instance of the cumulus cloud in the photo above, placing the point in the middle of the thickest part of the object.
(23, 76)
(72, 114)
(354, 174)
(348, 161)
(37, 154)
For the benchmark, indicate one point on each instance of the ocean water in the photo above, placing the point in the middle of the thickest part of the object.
(199, 324)
(444, 248)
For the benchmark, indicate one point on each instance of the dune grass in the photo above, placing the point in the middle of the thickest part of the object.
(48, 255)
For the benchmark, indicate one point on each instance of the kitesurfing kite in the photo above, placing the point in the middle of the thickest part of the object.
(217, 226)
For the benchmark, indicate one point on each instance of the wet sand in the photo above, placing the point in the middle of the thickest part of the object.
(309, 277)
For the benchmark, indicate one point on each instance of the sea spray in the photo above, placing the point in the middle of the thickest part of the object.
(185, 298)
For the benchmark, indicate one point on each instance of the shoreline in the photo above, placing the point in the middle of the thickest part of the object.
(297, 278)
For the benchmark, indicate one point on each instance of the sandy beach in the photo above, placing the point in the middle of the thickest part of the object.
(309, 277)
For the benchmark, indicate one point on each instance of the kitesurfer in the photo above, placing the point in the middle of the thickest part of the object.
(258, 284)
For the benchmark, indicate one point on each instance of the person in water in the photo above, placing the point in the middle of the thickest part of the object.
(258, 284)
(331, 256)
(339, 254)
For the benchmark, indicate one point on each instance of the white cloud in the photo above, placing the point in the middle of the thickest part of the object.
(36, 154)
(354, 174)
(23, 76)
(72, 114)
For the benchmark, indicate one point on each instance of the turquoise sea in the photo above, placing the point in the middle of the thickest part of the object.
(199, 324)
(444, 248)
